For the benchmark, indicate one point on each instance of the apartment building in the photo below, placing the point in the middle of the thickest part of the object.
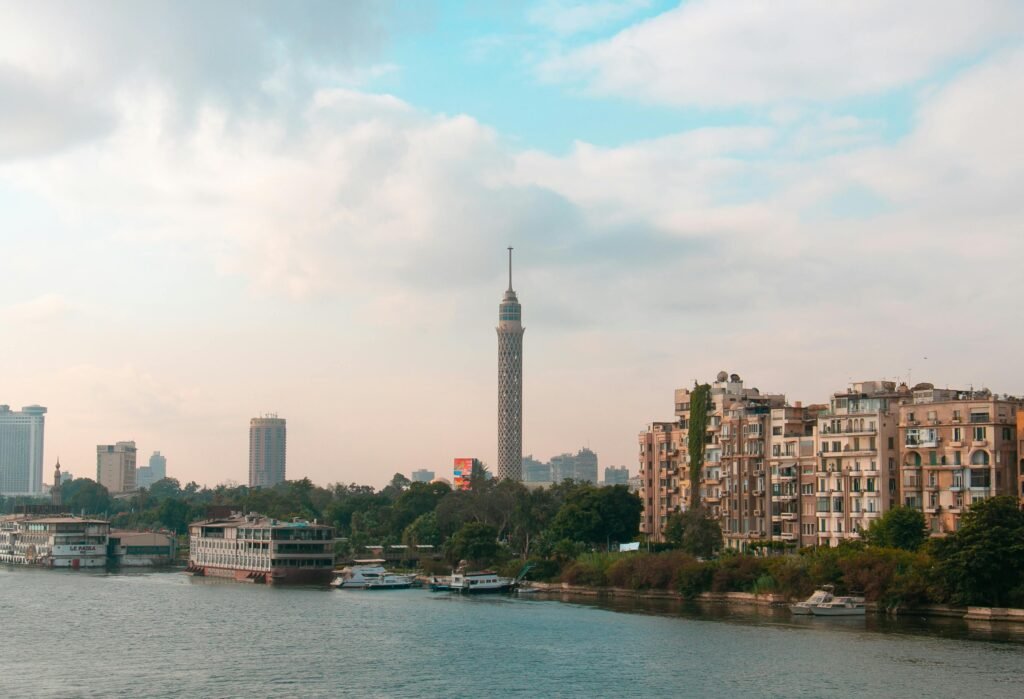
(858, 459)
(792, 463)
(958, 447)
(664, 488)
(1020, 456)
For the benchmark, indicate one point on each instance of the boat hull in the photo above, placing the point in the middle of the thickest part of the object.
(839, 611)
(275, 576)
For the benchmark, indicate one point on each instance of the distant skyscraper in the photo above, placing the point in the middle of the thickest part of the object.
(21, 450)
(115, 467)
(156, 471)
(510, 384)
(422, 476)
(267, 449)
(581, 466)
(535, 471)
(616, 475)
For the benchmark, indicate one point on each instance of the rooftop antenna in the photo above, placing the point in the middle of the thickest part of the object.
(510, 268)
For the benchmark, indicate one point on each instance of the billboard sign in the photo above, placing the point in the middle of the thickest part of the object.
(462, 472)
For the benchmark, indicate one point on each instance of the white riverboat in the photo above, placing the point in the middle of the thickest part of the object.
(484, 581)
(371, 575)
(807, 606)
(840, 606)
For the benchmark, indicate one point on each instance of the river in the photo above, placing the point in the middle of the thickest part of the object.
(164, 634)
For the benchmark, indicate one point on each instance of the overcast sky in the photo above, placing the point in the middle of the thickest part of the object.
(210, 211)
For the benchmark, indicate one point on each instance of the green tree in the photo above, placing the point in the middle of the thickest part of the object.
(694, 532)
(165, 488)
(696, 438)
(474, 541)
(983, 562)
(85, 495)
(174, 514)
(423, 531)
(899, 528)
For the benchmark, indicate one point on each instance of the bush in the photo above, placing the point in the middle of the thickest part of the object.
(738, 573)
(693, 577)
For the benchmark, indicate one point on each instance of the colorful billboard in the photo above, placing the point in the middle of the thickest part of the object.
(463, 471)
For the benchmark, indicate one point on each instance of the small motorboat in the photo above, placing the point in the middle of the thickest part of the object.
(824, 594)
(371, 575)
(841, 606)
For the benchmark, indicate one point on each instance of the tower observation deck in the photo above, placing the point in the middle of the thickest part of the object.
(510, 383)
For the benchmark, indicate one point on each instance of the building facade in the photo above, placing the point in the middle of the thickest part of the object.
(581, 466)
(54, 542)
(155, 471)
(535, 471)
(510, 383)
(21, 450)
(422, 476)
(616, 475)
(115, 467)
(268, 451)
(957, 447)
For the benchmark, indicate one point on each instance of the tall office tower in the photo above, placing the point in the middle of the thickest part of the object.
(422, 476)
(267, 449)
(21, 450)
(616, 475)
(115, 467)
(510, 384)
(156, 471)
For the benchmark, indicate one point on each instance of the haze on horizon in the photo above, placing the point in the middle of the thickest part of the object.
(210, 211)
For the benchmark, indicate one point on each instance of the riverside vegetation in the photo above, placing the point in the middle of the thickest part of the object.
(570, 532)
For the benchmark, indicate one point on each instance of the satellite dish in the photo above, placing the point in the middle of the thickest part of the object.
(735, 378)
(722, 376)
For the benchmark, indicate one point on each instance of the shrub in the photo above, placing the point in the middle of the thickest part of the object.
(738, 573)
(693, 577)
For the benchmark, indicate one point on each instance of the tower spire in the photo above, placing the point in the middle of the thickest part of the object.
(510, 268)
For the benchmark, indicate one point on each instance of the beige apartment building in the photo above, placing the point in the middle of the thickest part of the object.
(792, 463)
(858, 459)
(664, 488)
(115, 467)
(958, 447)
(734, 481)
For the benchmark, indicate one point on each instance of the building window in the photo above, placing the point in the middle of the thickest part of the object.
(979, 434)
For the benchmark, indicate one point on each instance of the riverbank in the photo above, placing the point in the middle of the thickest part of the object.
(777, 601)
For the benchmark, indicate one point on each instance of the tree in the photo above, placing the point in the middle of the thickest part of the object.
(598, 515)
(983, 562)
(423, 531)
(696, 438)
(694, 532)
(174, 514)
(85, 495)
(899, 528)
(474, 541)
(165, 488)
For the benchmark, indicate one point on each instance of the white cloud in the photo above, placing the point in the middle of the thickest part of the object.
(724, 53)
(42, 309)
(574, 16)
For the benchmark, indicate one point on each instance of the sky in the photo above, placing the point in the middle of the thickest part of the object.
(212, 211)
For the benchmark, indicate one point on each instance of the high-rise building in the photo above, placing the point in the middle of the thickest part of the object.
(21, 450)
(581, 466)
(267, 450)
(616, 475)
(156, 471)
(115, 467)
(510, 384)
(535, 471)
(422, 476)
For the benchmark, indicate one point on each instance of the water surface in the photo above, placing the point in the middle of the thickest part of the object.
(81, 634)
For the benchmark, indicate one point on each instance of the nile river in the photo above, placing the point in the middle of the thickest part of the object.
(79, 634)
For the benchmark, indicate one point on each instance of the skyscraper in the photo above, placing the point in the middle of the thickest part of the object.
(510, 384)
(156, 471)
(115, 467)
(21, 450)
(267, 449)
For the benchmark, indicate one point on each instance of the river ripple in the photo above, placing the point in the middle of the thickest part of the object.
(80, 634)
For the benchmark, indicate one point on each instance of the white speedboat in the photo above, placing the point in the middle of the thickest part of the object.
(371, 576)
(480, 582)
(821, 595)
(840, 606)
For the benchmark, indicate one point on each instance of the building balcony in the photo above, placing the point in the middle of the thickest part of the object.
(788, 536)
(922, 443)
(790, 516)
(978, 443)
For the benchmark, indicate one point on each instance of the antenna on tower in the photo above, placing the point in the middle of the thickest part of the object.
(510, 268)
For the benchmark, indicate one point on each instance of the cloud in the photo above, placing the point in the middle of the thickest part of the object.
(63, 63)
(42, 309)
(574, 16)
(728, 53)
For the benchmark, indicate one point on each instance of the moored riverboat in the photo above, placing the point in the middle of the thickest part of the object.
(481, 582)
(841, 606)
(258, 549)
(820, 596)
(371, 575)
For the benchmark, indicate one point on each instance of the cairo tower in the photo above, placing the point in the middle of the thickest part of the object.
(510, 384)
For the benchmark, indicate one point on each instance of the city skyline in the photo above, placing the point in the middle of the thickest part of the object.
(306, 219)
